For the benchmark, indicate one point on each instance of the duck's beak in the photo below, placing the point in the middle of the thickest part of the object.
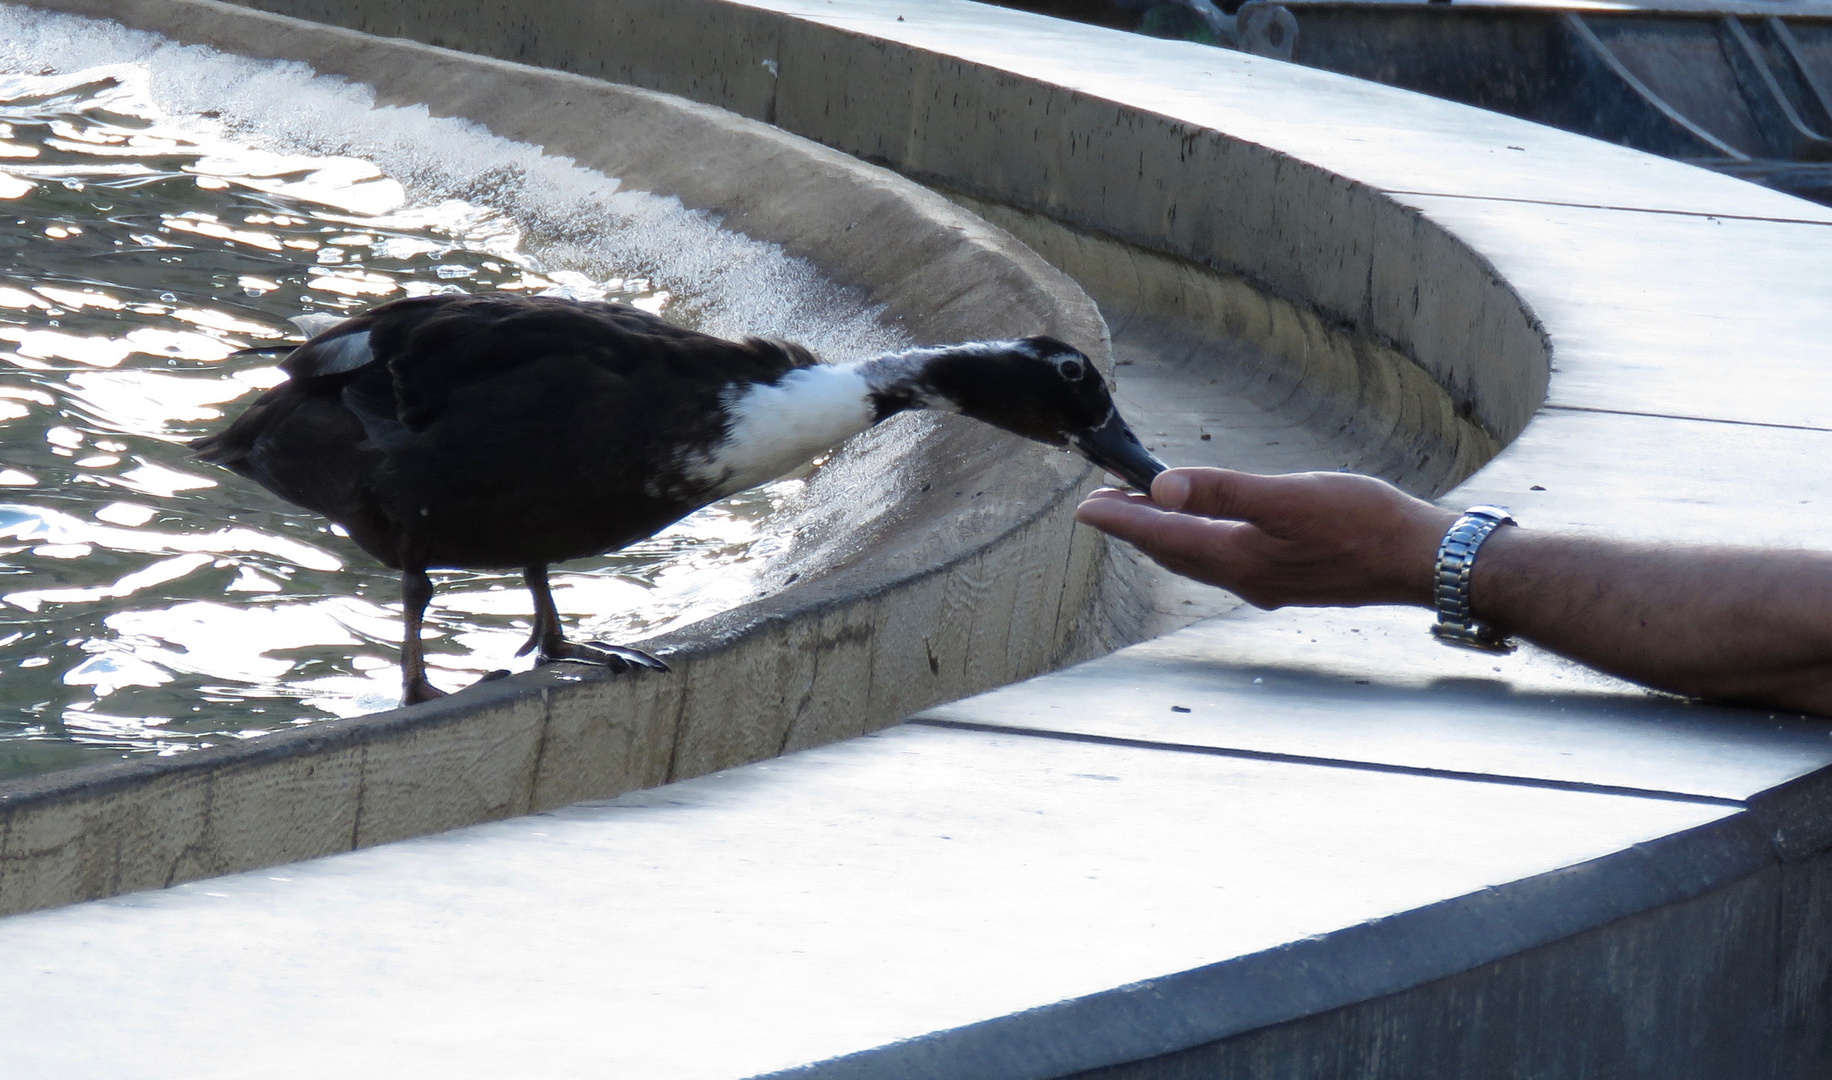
(1116, 449)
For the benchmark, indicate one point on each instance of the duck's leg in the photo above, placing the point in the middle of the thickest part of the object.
(548, 643)
(416, 593)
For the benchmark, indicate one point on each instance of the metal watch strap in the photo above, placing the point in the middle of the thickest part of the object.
(1450, 581)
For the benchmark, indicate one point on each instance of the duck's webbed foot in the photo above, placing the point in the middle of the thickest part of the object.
(549, 645)
(618, 658)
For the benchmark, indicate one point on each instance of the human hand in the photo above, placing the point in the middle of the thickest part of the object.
(1310, 539)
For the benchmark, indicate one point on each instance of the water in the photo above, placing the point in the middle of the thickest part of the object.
(148, 603)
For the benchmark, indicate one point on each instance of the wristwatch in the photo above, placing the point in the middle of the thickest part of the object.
(1450, 581)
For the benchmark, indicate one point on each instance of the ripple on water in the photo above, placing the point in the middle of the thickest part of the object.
(149, 603)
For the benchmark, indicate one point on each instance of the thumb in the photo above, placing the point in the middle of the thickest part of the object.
(1216, 493)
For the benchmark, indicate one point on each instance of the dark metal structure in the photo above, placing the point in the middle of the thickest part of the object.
(1745, 89)
(1743, 94)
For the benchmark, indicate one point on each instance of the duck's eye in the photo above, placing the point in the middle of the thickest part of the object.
(1069, 369)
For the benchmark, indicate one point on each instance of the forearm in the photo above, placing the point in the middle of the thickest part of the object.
(1732, 624)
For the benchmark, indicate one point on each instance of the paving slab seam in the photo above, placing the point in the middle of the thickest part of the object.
(1338, 763)
(1605, 206)
(1549, 407)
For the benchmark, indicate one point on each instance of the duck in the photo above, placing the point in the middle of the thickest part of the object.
(508, 432)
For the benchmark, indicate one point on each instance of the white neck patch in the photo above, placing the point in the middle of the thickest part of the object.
(777, 429)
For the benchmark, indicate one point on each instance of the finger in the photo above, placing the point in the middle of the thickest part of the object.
(1217, 552)
(1219, 493)
(1159, 533)
(1124, 517)
(1112, 493)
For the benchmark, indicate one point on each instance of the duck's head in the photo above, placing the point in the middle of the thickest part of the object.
(1036, 387)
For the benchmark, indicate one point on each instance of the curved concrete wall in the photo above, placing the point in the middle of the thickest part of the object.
(974, 577)
(1671, 321)
(1682, 319)
(1294, 211)
(1361, 300)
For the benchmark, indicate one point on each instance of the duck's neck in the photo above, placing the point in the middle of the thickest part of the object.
(778, 427)
(900, 381)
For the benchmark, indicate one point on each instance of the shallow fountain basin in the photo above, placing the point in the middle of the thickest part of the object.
(947, 565)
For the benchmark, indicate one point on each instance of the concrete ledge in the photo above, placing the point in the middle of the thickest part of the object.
(1600, 1002)
(1400, 974)
(960, 594)
(938, 903)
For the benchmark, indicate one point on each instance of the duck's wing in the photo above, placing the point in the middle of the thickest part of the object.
(340, 345)
(516, 343)
(398, 367)
(353, 357)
